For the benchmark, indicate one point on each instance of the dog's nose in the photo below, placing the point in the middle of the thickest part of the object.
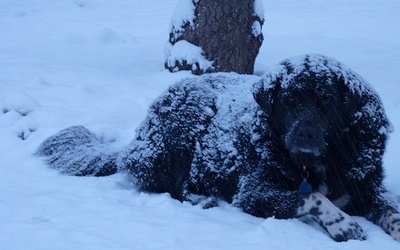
(306, 138)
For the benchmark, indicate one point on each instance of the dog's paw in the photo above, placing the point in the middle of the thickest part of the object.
(393, 225)
(339, 225)
(343, 228)
(201, 200)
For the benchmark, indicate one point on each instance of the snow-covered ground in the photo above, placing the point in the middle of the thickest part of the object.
(100, 63)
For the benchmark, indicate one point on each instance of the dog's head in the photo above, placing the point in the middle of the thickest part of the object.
(304, 113)
(315, 105)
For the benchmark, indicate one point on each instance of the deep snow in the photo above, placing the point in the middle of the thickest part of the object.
(100, 64)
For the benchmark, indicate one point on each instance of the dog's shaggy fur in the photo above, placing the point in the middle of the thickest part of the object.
(311, 120)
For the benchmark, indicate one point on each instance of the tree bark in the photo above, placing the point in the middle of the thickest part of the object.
(227, 31)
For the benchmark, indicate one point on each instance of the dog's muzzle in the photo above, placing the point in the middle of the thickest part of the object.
(305, 138)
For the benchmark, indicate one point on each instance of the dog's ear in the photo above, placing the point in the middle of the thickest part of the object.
(368, 126)
(263, 94)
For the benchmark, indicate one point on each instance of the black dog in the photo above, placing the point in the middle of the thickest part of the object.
(307, 144)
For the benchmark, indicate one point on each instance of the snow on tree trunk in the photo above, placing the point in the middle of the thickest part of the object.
(215, 36)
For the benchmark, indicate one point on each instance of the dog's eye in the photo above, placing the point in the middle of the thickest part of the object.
(291, 100)
(328, 99)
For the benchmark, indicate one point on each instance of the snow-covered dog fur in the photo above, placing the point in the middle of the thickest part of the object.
(250, 141)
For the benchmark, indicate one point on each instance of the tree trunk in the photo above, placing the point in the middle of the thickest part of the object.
(219, 36)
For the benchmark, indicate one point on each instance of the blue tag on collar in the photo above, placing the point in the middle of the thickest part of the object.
(305, 187)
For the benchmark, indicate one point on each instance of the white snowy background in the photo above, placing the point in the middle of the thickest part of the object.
(100, 63)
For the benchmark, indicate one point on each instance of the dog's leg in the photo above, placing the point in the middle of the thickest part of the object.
(390, 222)
(335, 222)
(383, 212)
